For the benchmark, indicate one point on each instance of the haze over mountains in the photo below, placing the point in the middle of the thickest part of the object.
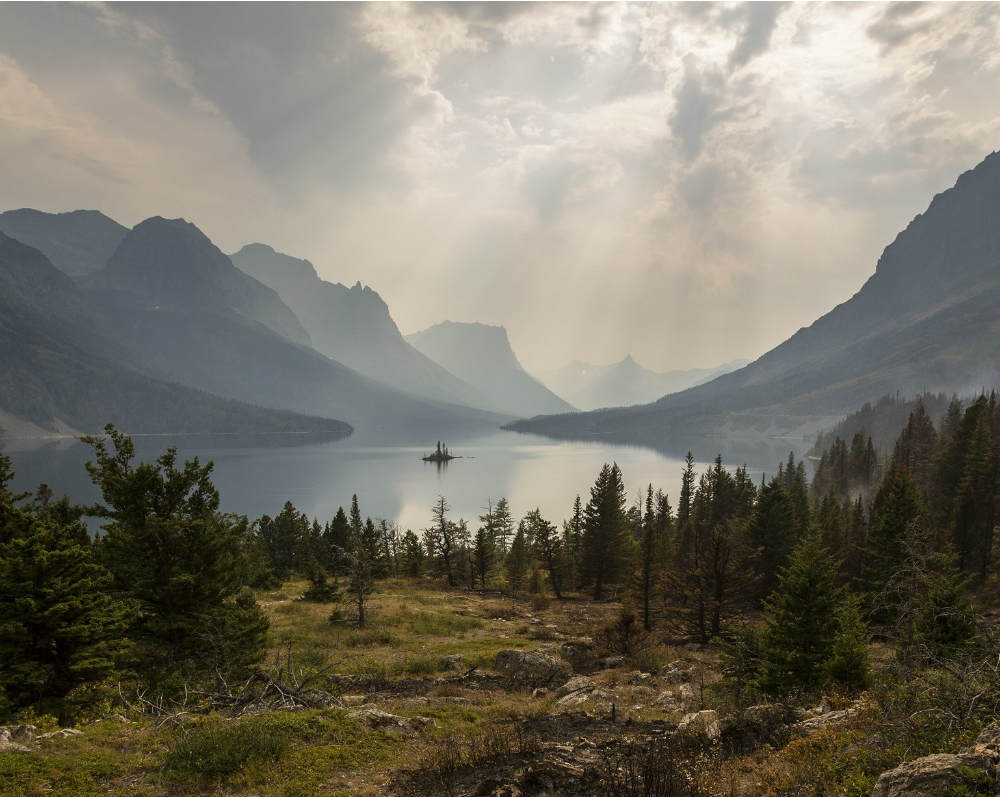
(353, 326)
(927, 320)
(481, 355)
(61, 369)
(590, 387)
(77, 242)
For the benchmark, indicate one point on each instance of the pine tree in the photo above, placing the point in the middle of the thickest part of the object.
(916, 449)
(412, 555)
(169, 549)
(60, 629)
(503, 525)
(801, 623)
(974, 506)
(606, 543)
(773, 531)
(687, 493)
(336, 537)
(573, 544)
(547, 548)
(483, 554)
(441, 535)
(518, 560)
(895, 509)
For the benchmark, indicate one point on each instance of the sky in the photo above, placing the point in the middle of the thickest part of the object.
(689, 183)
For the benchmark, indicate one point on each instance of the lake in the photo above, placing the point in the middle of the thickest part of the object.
(392, 482)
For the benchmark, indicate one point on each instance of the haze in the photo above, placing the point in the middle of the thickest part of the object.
(686, 183)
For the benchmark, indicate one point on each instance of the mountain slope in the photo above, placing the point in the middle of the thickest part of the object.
(624, 383)
(210, 342)
(57, 371)
(171, 263)
(926, 320)
(481, 355)
(353, 326)
(76, 243)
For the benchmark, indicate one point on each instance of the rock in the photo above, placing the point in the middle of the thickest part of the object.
(455, 661)
(531, 668)
(932, 775)
(18, 738)
(820, 721)
(549, 649)
(575, 684)
(62, 734)
(989, 737)
(539, 691)
(379, 720)
(353, 700)
(609, 662)
(703, 724)
(638, 677)
(676, 672)
(685, 694)
(573, 699)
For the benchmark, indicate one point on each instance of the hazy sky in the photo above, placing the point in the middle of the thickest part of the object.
(690, 183)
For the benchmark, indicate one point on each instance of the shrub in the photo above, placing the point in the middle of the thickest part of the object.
(214, 749)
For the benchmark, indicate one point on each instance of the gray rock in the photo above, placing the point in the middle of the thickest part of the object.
(18, 738)
(455, 661)
(531, 668)
(61, 734)
(704, 724)
(933, 774)
(676, 672)
(576, 684)
(353, 700)
(578, 651)
(379, 720)
(609, 662)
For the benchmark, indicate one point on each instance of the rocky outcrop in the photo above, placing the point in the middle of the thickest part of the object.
(944, 772)
(579, 683)
(701, 724)
(379, 720)
(18, 738)
(530, 668)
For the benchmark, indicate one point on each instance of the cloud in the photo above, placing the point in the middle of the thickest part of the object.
(688, 182)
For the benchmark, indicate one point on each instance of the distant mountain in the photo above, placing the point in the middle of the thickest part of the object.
(188, 315)
(58, 371)
(624, 383)
(353, 326)
(927, 320)
(481, 355)
(76, 243)
(170, 263)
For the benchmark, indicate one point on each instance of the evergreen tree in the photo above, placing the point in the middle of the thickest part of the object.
(895, 509)
(573, 544)
(60, 629)
(802, 623)
(412, 555)
(974, 505)
(773, 531)
(169, 549)
(336, 537)
(686, 493)
(916, 448)
(282, 539)
(441, 539)
(547, 548)
(484, 553)
(605, 532)
(518, 560)
(503, 525)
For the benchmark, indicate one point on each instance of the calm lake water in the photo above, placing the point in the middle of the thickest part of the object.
(392, 482)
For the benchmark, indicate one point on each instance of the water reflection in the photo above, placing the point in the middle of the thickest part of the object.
(256, 477)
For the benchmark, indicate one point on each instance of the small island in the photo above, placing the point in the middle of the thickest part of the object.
(440, 454)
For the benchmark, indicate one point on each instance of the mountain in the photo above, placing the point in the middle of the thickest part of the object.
(353, 326)
(188, 315)
(171, 263)
(76, 243)
(481, 355)
(624, 383)
(58, 371)
(926, 320)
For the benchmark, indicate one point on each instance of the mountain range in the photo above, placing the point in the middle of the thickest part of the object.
(590, 387)
(481, 355)
(61, 371)
(353, 326)
(926, 320)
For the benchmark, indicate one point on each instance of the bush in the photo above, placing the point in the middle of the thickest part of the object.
(214, 749)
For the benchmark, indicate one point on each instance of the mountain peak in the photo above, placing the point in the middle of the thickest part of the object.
(76, 242)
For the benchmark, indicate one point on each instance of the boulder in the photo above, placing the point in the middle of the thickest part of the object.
(933, 774)
(379, 720)
(353, 700)
(455, 661)
(18, 738)
(609, 662)
(531, 668)
(576, 684)
(943, 772)
(61, 734)
(703, 724)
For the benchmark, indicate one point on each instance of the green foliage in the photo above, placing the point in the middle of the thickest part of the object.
(60, 630)
(171, 551)
(809, 626)
(849, 663)
(606, 542)
(214, 749)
